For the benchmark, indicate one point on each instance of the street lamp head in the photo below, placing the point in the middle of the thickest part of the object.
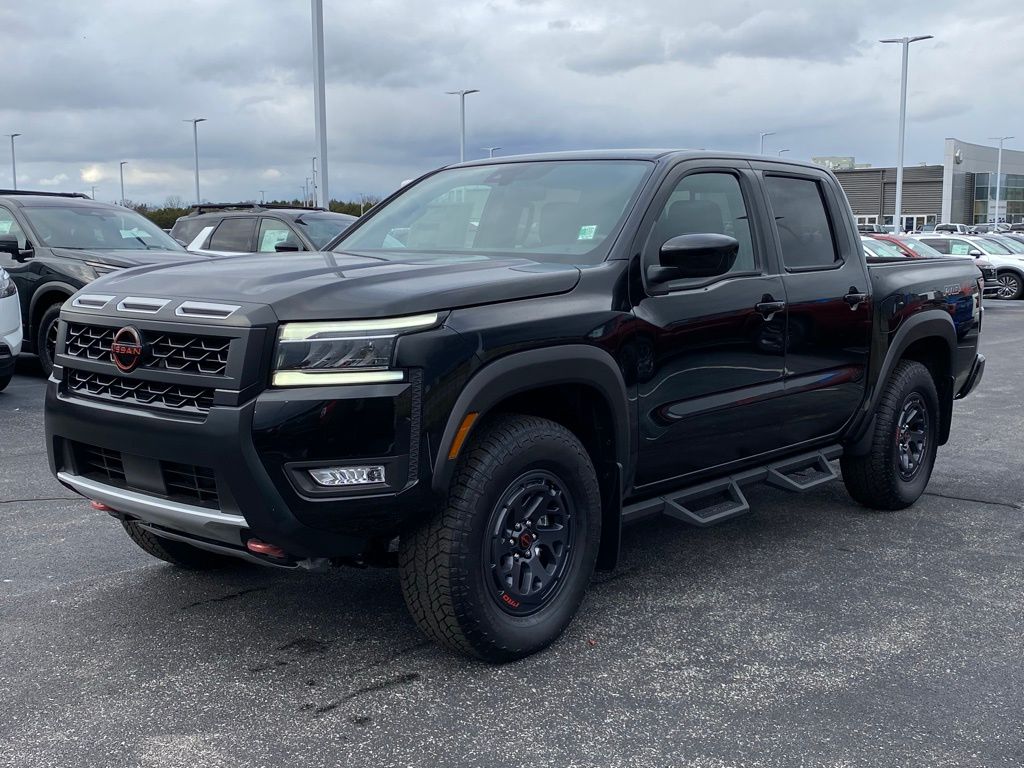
(13, 135)
(464, 92)
(907, 40)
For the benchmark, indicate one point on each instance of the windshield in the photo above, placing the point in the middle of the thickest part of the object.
(547, 211)
(1013, 246)
(882, 249)
(991, 246)
(322, 228)
(922, 249)
(95, 228)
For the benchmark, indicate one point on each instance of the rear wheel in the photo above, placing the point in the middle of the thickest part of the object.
(501, 570)
(5, 380)
(46, 337)
(895, 472)
(1010, 285)
(175, 552)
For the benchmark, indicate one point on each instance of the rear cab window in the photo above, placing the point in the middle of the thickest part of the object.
(233, 235)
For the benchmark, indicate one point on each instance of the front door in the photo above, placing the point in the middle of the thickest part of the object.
(828, 300)
(711, 371)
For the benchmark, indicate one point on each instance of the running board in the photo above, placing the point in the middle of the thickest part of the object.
(722, 499)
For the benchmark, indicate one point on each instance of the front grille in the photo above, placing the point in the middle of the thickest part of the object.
(186, 353)
(101, 461)
(179, 397)
(197, 484)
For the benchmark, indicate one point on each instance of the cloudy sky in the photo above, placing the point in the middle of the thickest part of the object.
(91, 83)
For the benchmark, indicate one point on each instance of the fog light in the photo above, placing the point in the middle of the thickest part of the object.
(332, 476)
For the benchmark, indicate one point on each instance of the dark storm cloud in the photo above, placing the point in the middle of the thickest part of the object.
(93, 83)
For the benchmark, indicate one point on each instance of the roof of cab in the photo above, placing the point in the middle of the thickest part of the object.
(653, 155)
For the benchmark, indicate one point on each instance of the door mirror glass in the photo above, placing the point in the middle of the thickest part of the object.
(695, 256)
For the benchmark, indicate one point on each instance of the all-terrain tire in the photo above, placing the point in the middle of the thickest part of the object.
(451, 569)
(878, 479)
(175, 552)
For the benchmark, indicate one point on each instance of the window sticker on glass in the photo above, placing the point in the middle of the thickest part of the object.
(959, 249)
(272, 237)
(5, 227)
(587, 232)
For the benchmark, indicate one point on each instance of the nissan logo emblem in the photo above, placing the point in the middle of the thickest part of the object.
(126, 349)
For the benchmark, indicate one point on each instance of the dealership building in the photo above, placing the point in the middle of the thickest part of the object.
(962, 190)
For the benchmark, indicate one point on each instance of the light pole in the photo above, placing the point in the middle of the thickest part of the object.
(263, 196)
(905, 42)
(121, 169)
(314, 183)
(999, 173)
(319, 97)
(462, 118)
(781, 151)
(14, 165)
(491, 150)
(195, 145)
(94, 192)
(763, 134)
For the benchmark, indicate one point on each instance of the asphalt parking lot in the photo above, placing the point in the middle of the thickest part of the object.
(809, 633)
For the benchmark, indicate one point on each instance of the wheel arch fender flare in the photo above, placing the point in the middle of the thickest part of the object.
(932, 323)
(531, 369)
(48, 289)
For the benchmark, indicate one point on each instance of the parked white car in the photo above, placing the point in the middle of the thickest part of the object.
(1009, 266)
(10, 327)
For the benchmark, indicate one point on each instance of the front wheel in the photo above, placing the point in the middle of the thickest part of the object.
(46, 337)
(1010, 285)
(895, 472)
(500, 571)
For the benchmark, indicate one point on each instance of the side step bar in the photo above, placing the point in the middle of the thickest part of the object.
(721, 499)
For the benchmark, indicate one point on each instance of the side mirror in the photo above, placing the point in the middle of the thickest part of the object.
(694, 256)
(975, 253)
(286, 247)
(9, 244)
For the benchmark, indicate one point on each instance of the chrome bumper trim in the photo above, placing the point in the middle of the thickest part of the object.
(197, 521)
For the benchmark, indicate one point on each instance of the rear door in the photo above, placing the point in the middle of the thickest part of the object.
(233, 235)
(828, 298)
(709, 353)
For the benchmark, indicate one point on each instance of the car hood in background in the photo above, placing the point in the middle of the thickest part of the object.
(125, 258)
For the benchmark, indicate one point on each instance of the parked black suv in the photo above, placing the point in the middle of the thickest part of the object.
(52, 244)
(227, 228)
(501, 364)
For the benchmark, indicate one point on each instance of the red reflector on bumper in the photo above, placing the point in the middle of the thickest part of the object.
(99, 506)
(262, 548)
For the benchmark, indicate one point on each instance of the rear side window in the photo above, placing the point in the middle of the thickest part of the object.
(185, 230)
(233, 235)
(802, 222)
(940, 244)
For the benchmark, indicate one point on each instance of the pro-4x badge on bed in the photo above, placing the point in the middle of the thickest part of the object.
(126, 349)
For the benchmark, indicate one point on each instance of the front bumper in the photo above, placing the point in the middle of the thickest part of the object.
(257, 453)
(973, 378)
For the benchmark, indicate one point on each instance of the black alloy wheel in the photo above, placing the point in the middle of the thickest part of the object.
(531, 542)
(911, 436)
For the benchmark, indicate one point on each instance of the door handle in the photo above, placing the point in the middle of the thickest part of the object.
(854, 298)
(768, 307)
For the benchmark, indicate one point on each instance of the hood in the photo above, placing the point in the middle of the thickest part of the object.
(315, 286)
(126, 258)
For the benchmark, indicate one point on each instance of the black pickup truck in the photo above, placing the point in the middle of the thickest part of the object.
(503, 363)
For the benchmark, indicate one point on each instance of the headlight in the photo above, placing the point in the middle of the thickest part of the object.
(7, 287)
(343, 352)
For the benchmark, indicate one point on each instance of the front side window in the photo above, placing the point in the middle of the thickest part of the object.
(706, 203)
(233, 235)
(882, 249)
(323, 227)
(95, 228)
(548, 211)
(921, 249)
(273, 233)
(8, 226)
(801, 219)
